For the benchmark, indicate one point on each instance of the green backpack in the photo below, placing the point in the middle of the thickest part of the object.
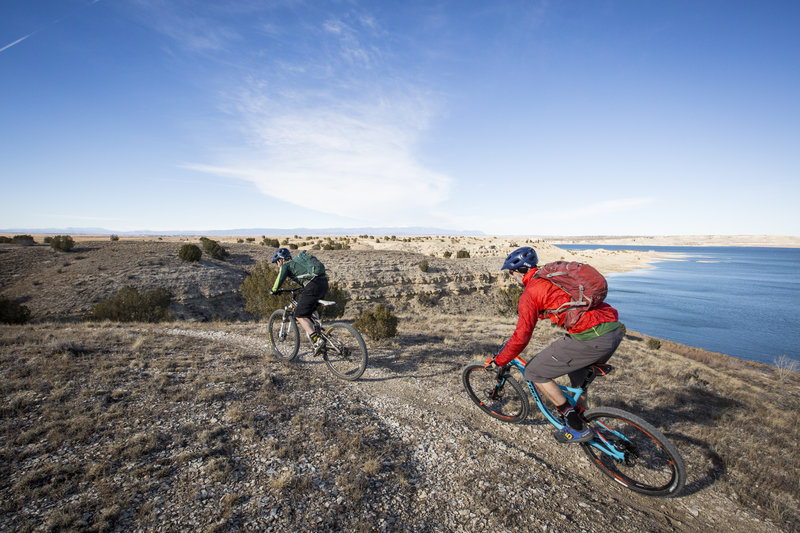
(311, 265)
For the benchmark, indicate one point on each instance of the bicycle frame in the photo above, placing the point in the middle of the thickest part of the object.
(572, 394)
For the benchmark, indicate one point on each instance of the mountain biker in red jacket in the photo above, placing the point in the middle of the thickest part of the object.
(593, 339)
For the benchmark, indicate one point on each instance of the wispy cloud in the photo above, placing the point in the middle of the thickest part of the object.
(358, 161)
(327, 125)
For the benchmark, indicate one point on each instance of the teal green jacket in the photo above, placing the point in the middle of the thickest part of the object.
(295, 271)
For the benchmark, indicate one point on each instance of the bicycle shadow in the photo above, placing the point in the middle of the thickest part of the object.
(416, 356)
(694, 406)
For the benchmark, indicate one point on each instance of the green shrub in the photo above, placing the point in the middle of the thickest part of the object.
(423, 265)
(115, 238)
(128, 305)
(275, 243)
(508, 300)
(62, 243)
(462, 254)
(427, 299)
(12, 312)
(190, 253)
(448, 253)
(255, 289)
(6, 240)
(654, 344)
(378, 324)
(23, 240)
(214, 249)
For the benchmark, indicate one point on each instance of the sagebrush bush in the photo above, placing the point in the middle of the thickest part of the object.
(462, 254)
(423, 265)
(427, 299)
(6, 240)
(448, 253)
(62, 243)
(338, 295)
(129, 305)
(378, 324)
(275, 243)
(114, 238)
(190, 253)
(654, 344)
(23, 240)
(12, 312)
(508, 300)
(214, 249)
(255, 290)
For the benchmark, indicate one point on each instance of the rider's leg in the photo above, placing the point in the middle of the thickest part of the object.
(306, 324)
(307, 304)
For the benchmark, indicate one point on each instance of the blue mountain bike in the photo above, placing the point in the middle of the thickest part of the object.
(627, 449)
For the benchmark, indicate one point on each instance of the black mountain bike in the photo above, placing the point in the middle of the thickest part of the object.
(343, 351)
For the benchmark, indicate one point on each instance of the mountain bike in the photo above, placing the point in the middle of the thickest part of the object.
(626, 448)
(343, 350)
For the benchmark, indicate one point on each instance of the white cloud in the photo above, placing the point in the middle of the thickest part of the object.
(357, 162)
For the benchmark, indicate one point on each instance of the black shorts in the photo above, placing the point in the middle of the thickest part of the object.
(314, 291)
(571, 356)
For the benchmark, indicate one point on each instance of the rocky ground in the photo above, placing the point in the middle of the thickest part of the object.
(191, 425)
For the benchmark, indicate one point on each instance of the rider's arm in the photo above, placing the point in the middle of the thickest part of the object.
(282, 273)
(528, 316)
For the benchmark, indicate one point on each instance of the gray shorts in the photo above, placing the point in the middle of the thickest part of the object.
(568, 356)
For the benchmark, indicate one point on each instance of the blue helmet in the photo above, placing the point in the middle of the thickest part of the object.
(521, 257)
(282, 253)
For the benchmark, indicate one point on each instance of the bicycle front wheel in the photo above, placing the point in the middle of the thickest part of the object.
(504, 401)
(283, 335)
(345, 352)
(647, 462)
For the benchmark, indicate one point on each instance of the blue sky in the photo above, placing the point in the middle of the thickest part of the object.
(507, 117)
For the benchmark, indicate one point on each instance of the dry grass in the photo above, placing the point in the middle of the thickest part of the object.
(734, 421)
(103, 426)
(108, 427)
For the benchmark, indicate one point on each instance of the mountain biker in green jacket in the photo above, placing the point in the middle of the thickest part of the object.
(309, 273)
(592, 339)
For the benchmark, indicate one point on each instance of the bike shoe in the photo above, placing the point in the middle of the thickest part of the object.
(319, 344)
(568, 435)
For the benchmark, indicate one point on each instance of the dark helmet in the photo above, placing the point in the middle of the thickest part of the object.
(521, 257)
(282, 253)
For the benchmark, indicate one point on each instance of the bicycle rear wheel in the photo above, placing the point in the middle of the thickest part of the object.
(504, 401)
(345, 352)
(651, 465)
(283, 335)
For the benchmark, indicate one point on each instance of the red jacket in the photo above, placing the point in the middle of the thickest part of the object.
(538, 295)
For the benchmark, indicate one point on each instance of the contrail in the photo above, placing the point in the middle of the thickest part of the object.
(6, 47)
(54, 21)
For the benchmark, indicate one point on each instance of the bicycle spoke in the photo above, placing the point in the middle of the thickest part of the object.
(283, 336)
(505, 401)
(345, 352)
(647, 462)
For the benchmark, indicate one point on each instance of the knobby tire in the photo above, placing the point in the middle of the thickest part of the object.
(345, 353)
(284, 346)
(508, 402)
(653, 465)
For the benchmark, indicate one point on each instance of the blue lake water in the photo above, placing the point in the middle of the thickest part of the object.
(743, 302)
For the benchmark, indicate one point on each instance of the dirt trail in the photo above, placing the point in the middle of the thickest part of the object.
(474, 466)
